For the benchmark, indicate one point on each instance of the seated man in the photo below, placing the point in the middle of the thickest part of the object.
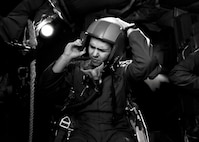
(99, 82)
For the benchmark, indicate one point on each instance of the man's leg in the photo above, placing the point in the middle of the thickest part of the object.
(122, 137)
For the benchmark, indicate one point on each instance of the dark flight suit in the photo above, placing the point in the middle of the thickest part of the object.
(101, 117)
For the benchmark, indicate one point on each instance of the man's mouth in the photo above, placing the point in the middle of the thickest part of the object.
(95, 61)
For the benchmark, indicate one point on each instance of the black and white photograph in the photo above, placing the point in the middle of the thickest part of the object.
(99, 71)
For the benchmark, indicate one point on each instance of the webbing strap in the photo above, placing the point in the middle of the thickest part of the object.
(61, 135)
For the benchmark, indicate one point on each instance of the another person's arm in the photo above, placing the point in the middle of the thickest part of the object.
(186, 73)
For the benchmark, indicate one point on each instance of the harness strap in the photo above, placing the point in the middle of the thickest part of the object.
(65, 128)
(61, 135)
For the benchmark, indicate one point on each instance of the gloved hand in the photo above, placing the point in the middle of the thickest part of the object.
(156, 82)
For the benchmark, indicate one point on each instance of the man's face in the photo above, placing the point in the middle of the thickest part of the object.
(98, 51)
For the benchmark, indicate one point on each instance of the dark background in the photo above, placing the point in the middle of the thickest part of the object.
(162, 116)
(8, 5)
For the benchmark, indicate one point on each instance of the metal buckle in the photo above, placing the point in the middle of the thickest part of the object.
(65, 123)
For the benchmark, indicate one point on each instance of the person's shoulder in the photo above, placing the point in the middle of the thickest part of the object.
(194, 54)
(196, 51)
(125, 63)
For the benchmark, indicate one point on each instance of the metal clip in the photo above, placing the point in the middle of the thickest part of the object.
(66, 123)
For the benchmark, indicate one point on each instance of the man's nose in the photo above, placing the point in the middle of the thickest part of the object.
(95, 52)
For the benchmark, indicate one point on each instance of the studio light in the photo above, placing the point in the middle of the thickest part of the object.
(46, 26)
(47, 30)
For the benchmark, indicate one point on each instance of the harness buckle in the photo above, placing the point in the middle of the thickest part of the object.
(66, 123)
